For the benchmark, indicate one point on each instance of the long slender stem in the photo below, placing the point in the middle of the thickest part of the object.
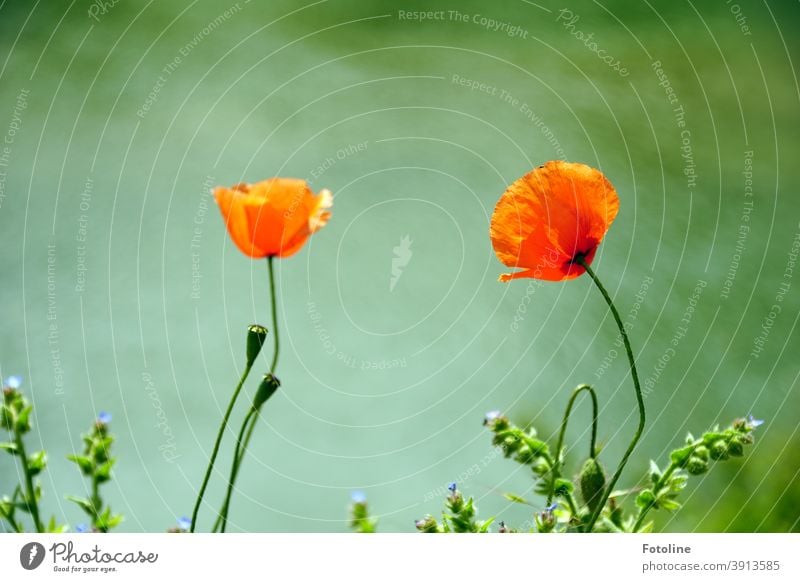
(273, 302)
(252, 416)
(639, 400)
(30, 491)
(562, 432)
(216, 445)
(222, 518)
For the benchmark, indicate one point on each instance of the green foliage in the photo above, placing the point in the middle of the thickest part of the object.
(458, 517)
(96, 463)
(663, 489)
(16, 418)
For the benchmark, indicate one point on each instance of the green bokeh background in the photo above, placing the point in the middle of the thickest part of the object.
(384, 390)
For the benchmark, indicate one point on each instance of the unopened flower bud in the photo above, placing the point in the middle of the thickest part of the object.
(735, 448)
(719, 451)
(592, 482)
(256, 336)
(426, 525)
(696, 465)
(269, 385)
(701, 452)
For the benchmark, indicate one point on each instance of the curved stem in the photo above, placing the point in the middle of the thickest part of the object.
(252, 416)
(216, 446)
(30, 490)
(563, 431)
(639, 400)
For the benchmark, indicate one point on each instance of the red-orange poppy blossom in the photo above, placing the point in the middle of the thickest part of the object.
(274, 217)
(548, 218)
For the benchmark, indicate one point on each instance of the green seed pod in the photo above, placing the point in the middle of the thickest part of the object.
(592, 481)
(256, 336)
(719, 451)
(696, 465)
(269, 384)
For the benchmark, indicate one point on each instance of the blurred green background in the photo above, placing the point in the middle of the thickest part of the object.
(122, 292)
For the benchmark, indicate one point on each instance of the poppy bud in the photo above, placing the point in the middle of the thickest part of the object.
(696, 465)
(267, 388)
(256, 336)
(719, 451)
(592, 481)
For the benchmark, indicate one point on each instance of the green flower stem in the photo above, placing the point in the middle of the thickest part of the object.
(216, 445)
(273, 301)
(30, 490)
(639, 400)
(252, 416)
(238, 455)
(562, 433)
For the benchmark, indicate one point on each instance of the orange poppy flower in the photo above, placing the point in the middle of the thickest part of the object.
(273, 218)
(549, 217)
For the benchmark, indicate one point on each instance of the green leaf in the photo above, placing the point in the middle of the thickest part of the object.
(85, 463)
(10, 447)
(517, 499)
(37, 462)
(668, 504)
(655, 472)
(680, 456)
(563, 487)
(647, 528)
(103, 472)
(84, 504)
(484, 527)
(645, 499)
(23, 420)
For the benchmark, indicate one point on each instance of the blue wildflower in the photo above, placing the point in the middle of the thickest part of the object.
(452, 487)
(14, 382)
(358, 497)
(184, 523)
(754, 423)
(104, 417)
(81, 528)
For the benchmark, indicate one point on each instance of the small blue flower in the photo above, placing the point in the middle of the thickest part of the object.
(452, 487)
(81, 528)
(14, 382)
(104, 417)
(754, 423)
(550, 508)
(184, 523)
(358, 497)
(492, 415)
